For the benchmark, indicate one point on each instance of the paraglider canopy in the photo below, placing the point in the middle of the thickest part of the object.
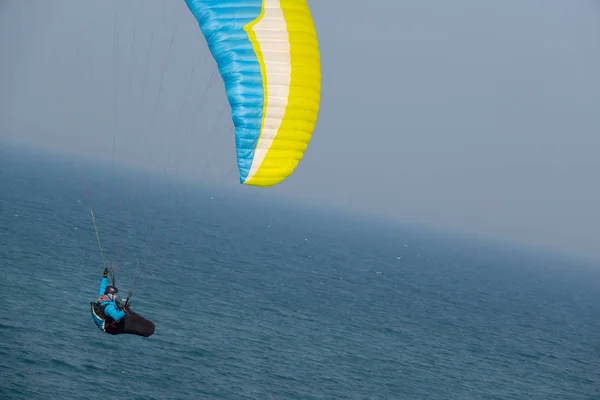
(268, 56)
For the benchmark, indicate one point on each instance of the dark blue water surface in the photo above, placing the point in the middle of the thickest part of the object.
(259, 300)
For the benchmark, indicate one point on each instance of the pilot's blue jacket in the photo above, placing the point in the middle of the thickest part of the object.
(111, 309)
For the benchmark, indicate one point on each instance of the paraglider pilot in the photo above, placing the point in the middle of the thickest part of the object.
(112, 317)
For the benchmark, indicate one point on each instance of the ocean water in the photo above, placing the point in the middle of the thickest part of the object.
(258, 300)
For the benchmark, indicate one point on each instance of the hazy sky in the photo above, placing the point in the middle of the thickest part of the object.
(474, 116)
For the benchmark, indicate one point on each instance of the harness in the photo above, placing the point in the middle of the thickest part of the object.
(108, 323)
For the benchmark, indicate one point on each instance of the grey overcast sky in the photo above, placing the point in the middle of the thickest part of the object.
(474, 116)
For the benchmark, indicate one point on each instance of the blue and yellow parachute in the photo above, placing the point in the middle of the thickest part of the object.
(268, 56)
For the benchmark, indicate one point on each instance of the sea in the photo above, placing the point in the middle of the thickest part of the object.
(257, 298)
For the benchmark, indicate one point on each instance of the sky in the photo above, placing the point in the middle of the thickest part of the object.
(469, 116)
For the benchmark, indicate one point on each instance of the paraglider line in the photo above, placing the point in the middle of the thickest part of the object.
(145, 256)
(120, 246)
(87, 195)
(98, 238)
(108, 219)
